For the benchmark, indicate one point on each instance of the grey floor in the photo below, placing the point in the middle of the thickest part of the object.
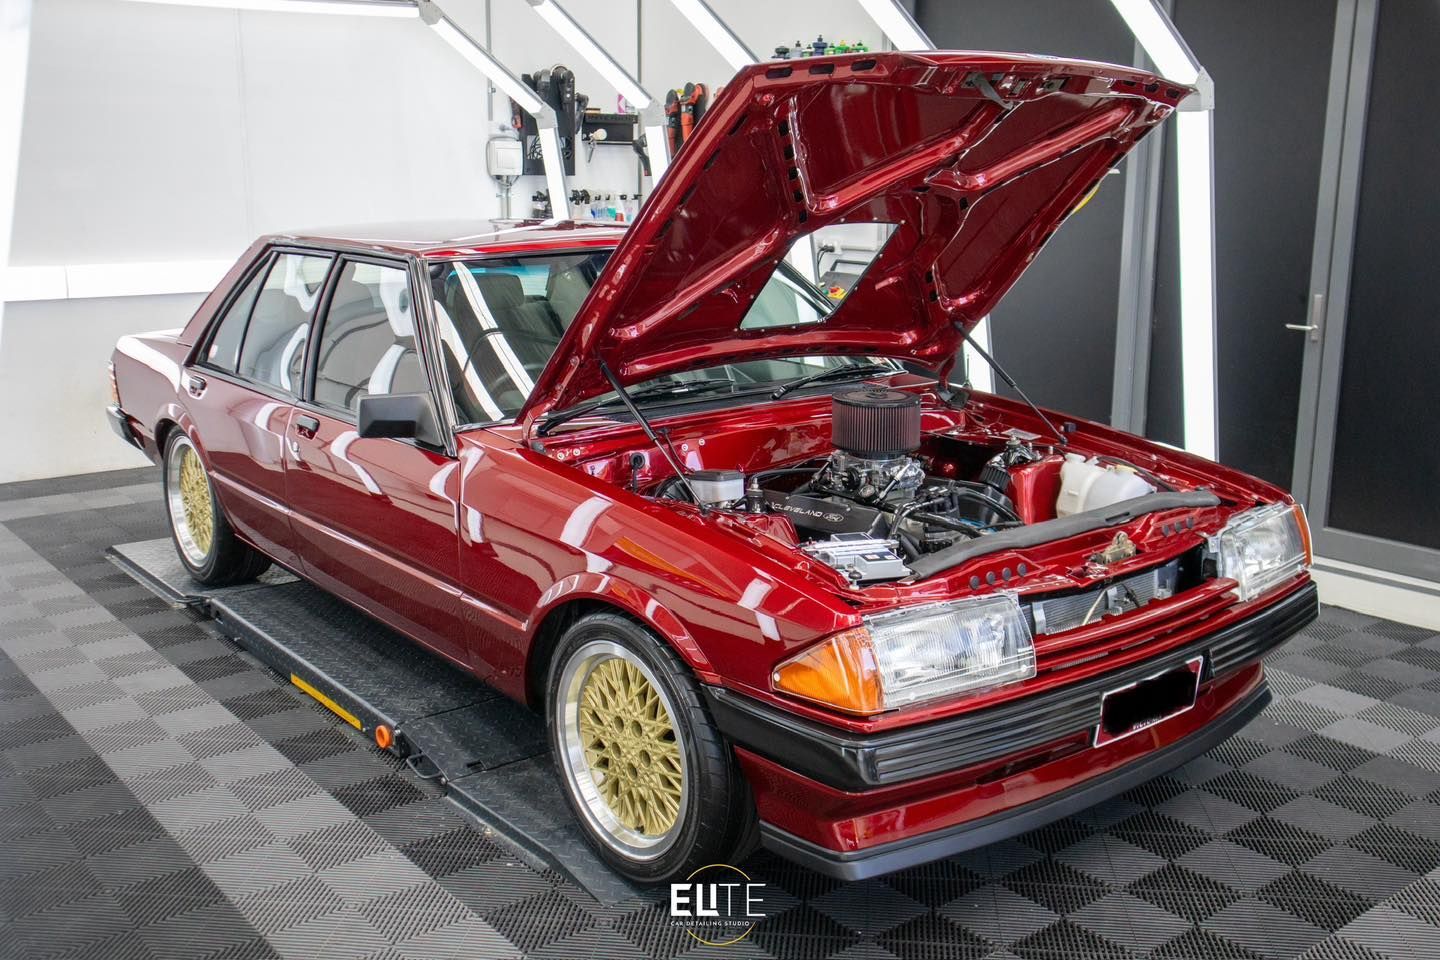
(163, 795)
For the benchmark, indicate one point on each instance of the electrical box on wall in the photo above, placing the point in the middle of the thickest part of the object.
(504, 157)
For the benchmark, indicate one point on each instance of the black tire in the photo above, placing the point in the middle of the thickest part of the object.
(227, 559)
(717, 819)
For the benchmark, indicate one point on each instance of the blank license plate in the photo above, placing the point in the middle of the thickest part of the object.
(1144, 703)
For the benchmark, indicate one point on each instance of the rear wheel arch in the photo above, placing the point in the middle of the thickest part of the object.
(162, 433)
(221, 557)
(170, 416)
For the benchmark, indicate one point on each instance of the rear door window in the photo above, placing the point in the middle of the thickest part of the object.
(273, 349)
(367, 341)
(224, 350)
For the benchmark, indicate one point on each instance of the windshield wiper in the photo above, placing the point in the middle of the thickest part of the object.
(859, 370)
(679, 388)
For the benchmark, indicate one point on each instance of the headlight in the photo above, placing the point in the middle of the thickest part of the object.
(1262, 547)
(913, 655)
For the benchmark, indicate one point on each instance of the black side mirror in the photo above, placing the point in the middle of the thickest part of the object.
(407, 416)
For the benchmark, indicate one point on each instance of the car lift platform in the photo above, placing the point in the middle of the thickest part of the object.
(489, 753)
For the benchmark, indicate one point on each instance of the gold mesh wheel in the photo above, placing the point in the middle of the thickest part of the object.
(195, 496)
(621, 751)
(630, 747)
(192, 510)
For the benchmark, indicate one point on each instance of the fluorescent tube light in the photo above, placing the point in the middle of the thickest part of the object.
(978, 371)
(657, 148)
(715, 32)
(529, 101)
(1163, 45)
(1195, 205)
(480, 58)
(802, 257)
(896, 23)
(1194, 169)
(14, 58)
(585, 45)
(345, 8)
(554, 170)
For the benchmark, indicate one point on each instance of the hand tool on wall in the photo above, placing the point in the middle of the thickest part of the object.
(641, 146)
(672, 120)
(692, 106)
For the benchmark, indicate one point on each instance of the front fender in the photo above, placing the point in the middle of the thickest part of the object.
(635, 601)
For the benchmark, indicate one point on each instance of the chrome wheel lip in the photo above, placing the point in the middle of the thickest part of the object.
(580, 778)
(175, 502)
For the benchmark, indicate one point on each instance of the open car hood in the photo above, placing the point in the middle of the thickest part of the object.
(975, 157)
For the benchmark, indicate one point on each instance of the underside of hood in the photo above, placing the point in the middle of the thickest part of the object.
(976, 158)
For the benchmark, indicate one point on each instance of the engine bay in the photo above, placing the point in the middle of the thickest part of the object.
(875, 504)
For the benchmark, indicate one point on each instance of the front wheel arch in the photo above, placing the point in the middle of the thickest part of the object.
(547, 636)
(580, 599)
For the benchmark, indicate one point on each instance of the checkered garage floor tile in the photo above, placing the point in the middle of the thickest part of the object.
(162, 795)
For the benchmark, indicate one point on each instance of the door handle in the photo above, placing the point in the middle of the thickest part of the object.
(306, 426)
(1317, 314)
(194, 385)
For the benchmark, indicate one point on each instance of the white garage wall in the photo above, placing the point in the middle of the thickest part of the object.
(53, 385)
(157, 132)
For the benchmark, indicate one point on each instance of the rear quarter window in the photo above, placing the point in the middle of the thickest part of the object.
(224, 350)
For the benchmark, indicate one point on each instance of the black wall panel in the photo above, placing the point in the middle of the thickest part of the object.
(1387, 446)
(1055, 331)
(1271, 63)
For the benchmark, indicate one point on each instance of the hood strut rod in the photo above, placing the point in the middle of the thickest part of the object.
(994, 365)
(664, 448)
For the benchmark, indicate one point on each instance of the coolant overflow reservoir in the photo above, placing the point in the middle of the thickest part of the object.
(1089, 485)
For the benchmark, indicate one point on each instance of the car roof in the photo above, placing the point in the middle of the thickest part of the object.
(449, 238)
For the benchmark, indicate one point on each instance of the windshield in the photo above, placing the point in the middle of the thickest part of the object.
(500, 319)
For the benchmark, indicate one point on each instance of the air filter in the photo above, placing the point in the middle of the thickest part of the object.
(875, 423)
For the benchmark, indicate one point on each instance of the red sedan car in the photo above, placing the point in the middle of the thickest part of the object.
(765, 568)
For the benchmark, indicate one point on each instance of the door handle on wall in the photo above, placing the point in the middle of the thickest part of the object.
(1317, 314)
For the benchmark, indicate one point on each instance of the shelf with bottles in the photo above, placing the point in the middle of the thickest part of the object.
(819, 47)
(585, 205)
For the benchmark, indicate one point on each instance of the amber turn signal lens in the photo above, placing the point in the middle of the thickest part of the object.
(384, 736)
(839, 672)
(1303, 523)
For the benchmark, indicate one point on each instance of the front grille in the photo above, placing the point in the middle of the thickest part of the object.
(1052, 615)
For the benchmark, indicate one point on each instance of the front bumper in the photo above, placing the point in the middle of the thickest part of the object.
(909, 852)
(121, 425)
(870, 804)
